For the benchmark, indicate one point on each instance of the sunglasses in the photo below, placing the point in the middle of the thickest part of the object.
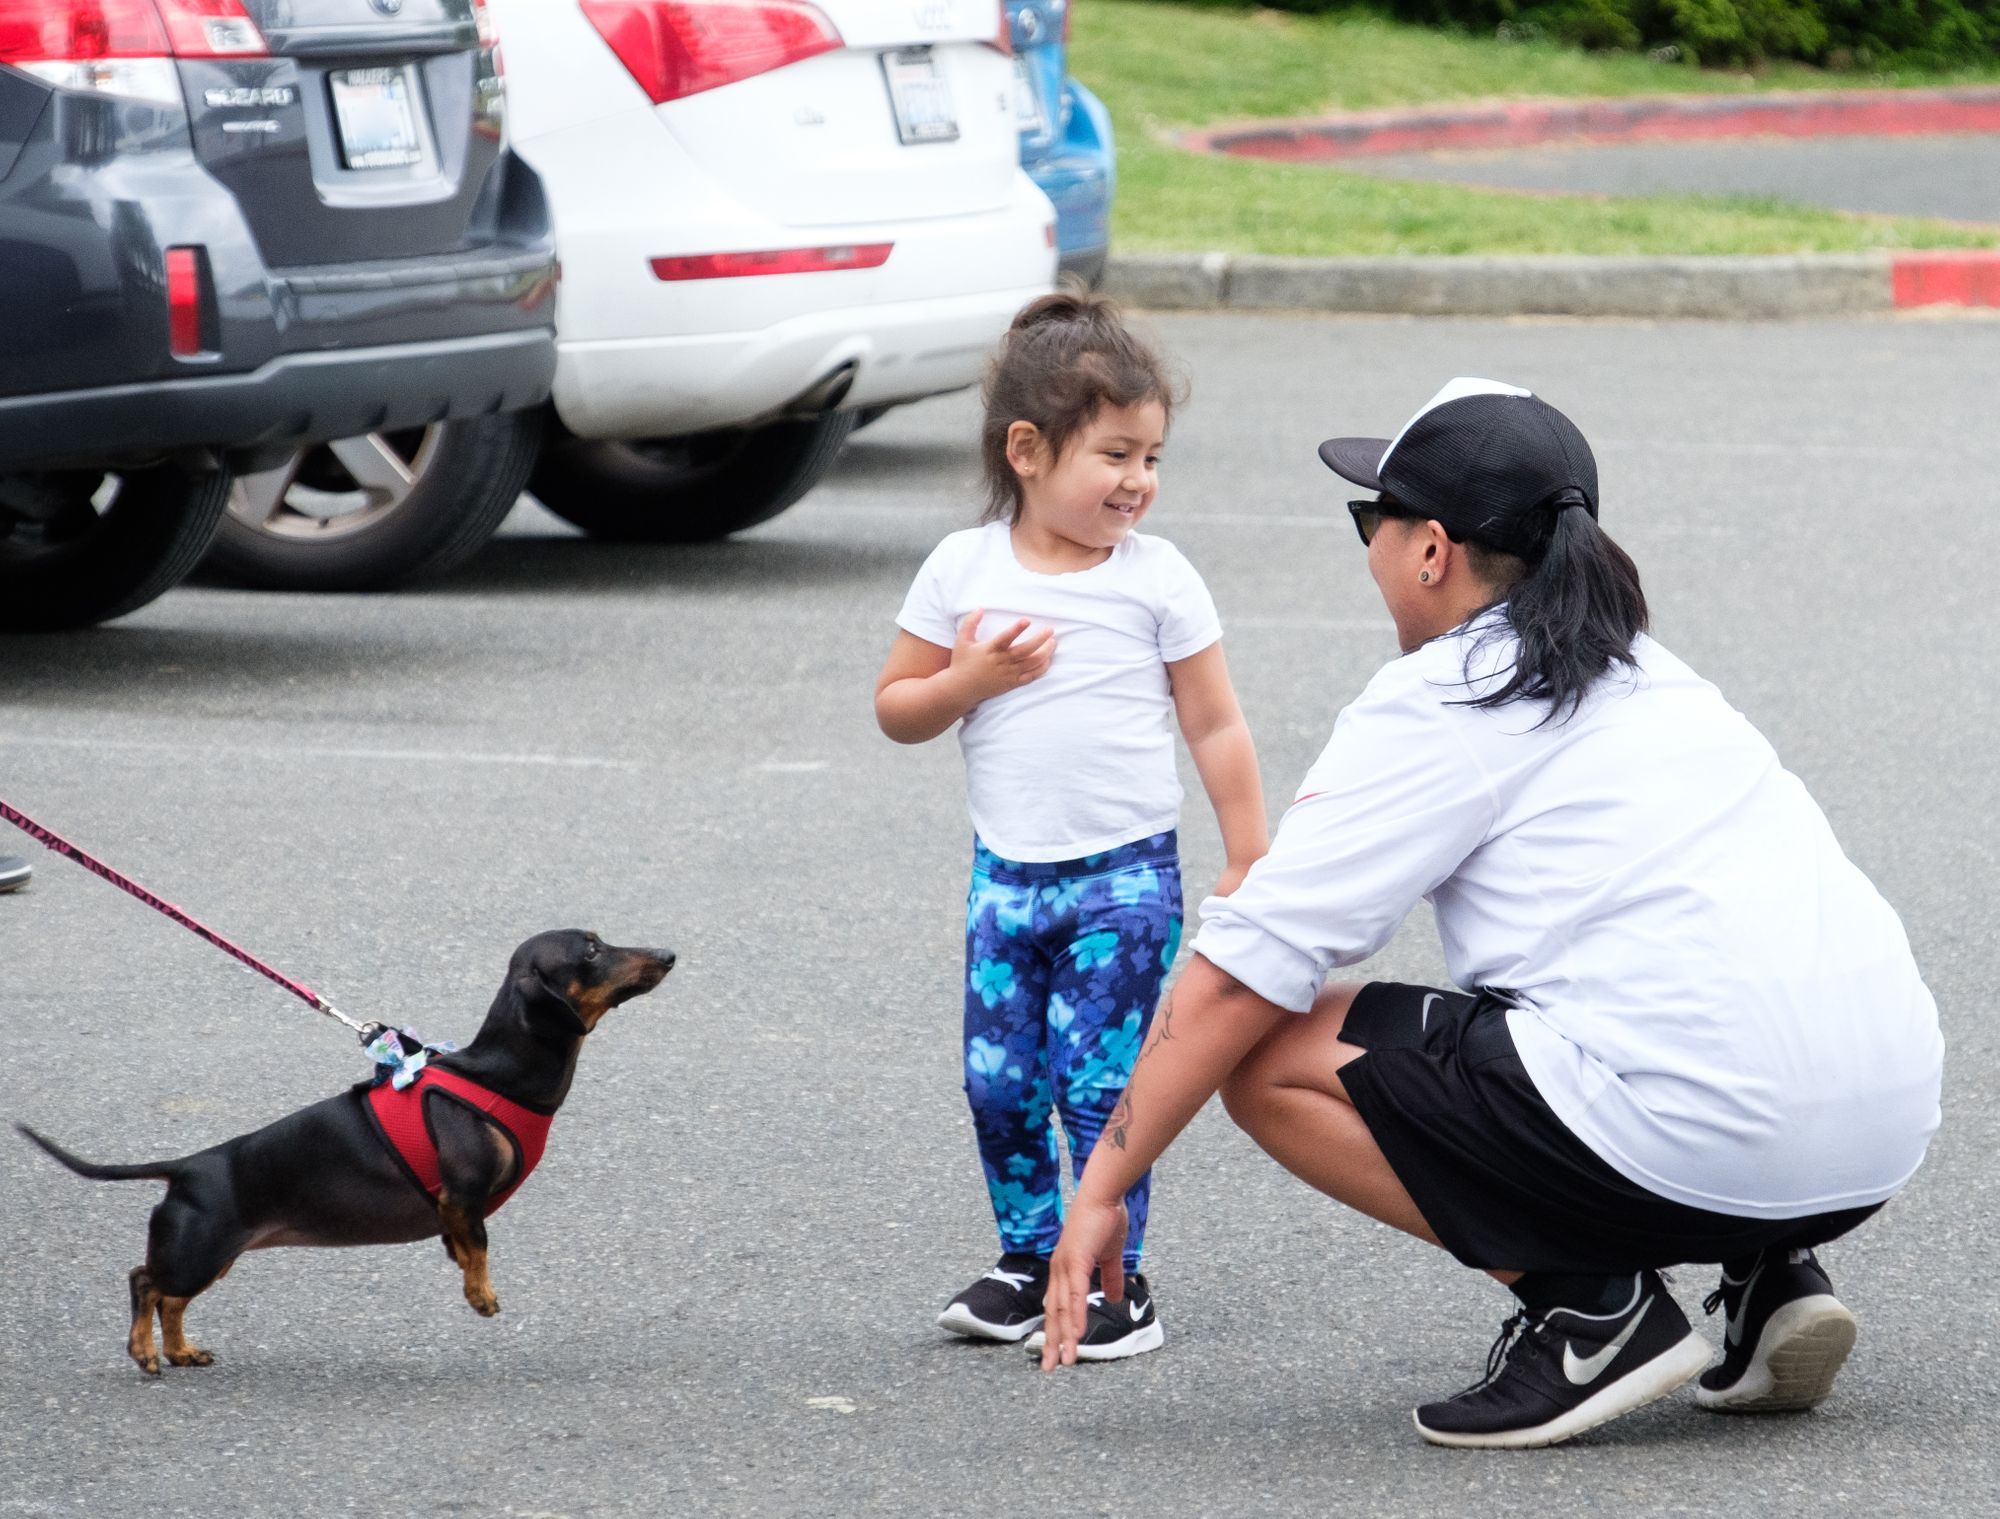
(1368, 516)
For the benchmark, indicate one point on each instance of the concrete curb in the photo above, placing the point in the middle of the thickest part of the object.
(1743, 288)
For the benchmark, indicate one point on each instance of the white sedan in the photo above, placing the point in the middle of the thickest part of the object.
(772, 215)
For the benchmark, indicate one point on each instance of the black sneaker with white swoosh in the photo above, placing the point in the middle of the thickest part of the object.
(1113, 1331)
(1785, 1336)
(1553, 1375)
(1005, 1304)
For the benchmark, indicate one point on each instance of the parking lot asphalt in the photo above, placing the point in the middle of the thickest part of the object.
(1955, 176)
(718, 1290)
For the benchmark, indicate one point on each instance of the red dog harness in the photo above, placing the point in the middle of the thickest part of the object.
(400, 1115)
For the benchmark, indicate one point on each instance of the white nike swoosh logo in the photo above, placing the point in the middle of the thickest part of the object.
(1139, 1309)
(1426, 1023)
(1733, 1327)
(1583, 1370)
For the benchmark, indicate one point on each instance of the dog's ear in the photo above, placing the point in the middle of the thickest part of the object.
(544, 1004)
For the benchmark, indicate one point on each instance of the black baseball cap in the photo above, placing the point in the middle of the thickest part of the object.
(1491, 462)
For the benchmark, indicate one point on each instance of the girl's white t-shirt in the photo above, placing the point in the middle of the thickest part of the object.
(1081, 760)
(1706, 991)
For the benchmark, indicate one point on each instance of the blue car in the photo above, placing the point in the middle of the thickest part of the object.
(1065, 135)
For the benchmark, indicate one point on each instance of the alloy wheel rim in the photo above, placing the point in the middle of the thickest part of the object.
(335, 489)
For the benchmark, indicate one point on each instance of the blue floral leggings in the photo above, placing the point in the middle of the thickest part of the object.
(1063, 965)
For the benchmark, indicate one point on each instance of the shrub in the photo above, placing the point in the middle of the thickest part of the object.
(1856, 33)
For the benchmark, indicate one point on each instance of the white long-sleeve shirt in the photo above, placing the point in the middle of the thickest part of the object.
(1707, 992)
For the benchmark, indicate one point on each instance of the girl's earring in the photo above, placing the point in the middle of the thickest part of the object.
(1425, 577)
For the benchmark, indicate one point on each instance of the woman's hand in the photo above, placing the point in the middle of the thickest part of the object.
(1202, 1031)
(1093, 1237)
(998, 664)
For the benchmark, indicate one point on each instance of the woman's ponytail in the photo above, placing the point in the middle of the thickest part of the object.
(1574, 613)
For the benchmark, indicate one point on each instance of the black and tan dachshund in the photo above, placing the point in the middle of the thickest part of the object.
(379, 1166)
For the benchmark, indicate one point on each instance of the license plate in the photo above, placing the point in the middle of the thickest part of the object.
(377, 115)
(921, 97)
(1028, 116)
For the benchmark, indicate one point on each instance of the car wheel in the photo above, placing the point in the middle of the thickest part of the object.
(687, 490)
(84, 546)
(374, 511)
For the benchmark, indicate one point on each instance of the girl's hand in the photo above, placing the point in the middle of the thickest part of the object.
(1093, 1236)
(1002, 662)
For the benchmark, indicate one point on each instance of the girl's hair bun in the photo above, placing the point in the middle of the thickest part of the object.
(1066, 305)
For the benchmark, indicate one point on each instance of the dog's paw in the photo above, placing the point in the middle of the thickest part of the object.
(483, 1300)
(150, 1364)
(190, 1357)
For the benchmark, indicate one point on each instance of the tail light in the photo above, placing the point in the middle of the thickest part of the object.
(211, 29)
(489, 118)
(723, 266)
(677, 48)
(123, 47)
(184, 315)
(489, 32)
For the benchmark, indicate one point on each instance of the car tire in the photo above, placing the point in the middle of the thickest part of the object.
(376, 511)
(687, 490)
(83, 546)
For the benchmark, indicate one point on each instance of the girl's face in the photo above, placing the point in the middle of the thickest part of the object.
(1106, 478)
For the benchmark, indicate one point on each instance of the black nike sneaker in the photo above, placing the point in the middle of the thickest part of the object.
(1005, 1304)
(1784, 1339)
(1113, 1331)
(1556, 1374)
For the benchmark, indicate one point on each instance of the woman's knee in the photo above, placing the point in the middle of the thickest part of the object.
(1305, 1051)
(1247, 1089)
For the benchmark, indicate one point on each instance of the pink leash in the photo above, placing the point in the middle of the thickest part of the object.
(299, 989)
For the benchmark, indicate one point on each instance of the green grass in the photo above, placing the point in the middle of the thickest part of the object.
(1162, 68)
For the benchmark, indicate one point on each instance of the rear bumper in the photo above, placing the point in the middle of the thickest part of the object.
(646, 357)
(899, 351)
(293, 400)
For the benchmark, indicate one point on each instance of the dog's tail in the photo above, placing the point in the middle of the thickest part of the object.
(159, 1170)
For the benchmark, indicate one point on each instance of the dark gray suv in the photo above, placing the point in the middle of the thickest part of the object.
(232, 228)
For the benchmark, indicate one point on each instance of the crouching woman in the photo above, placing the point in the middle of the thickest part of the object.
(1683, 1027)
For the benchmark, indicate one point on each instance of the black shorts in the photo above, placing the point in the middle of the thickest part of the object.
(1492, 1169)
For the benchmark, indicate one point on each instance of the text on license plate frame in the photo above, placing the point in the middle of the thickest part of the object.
(375, 117)
(920, 96)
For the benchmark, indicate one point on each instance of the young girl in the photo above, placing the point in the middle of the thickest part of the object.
(1066, 641)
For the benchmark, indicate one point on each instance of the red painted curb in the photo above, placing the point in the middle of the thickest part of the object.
(1945, 279)
(1661, 118)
